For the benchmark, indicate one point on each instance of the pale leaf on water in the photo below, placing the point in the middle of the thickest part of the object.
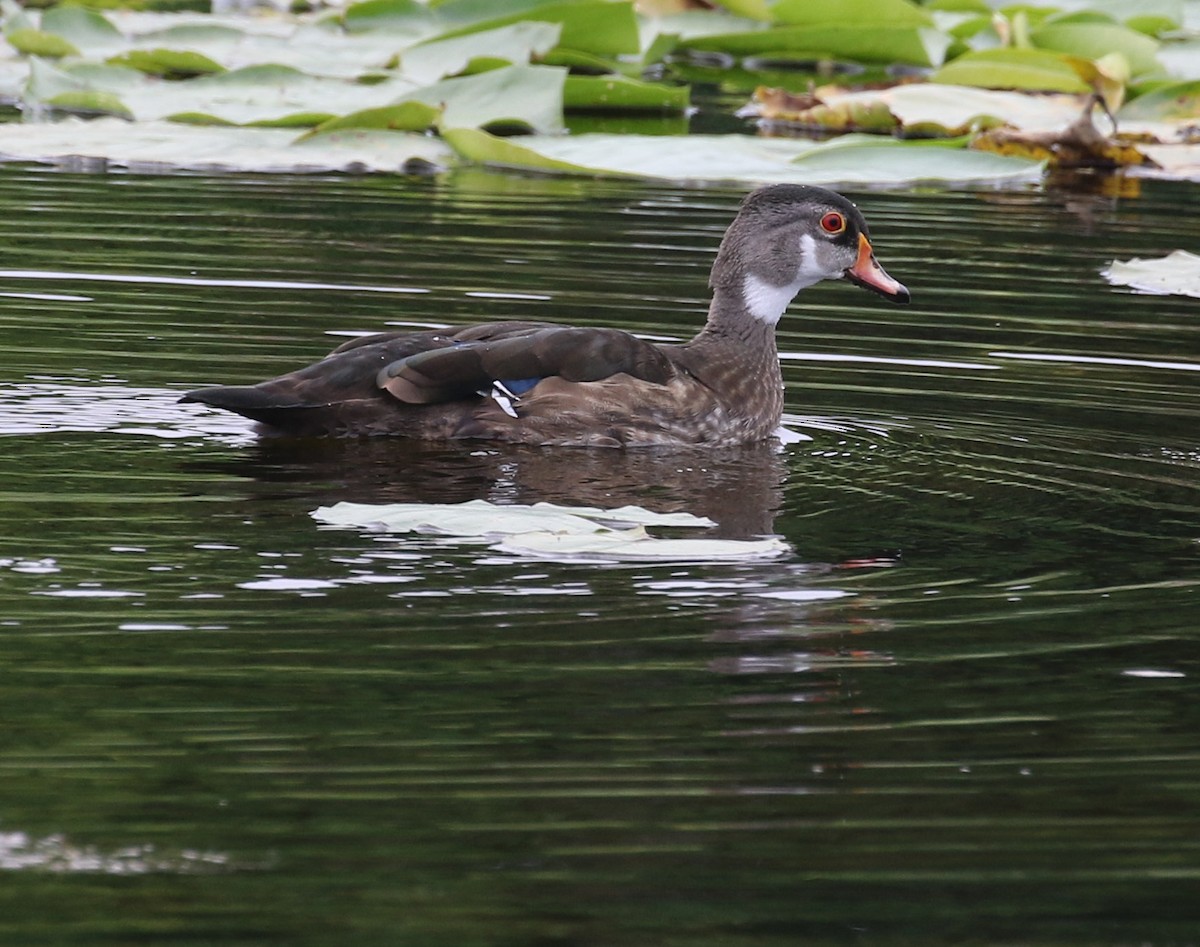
(1176, 274)
(547, 530)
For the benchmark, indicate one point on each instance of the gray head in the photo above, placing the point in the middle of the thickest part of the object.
(789, 236)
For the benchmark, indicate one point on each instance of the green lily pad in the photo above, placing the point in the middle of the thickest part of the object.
(1032, 69)
(40, 43)
(517, 43)
(1177, 273)
(166, 146)
(89, 102)
(621, 94)
(852, 158)
(1094, 40)
(408, 116)
(526, 97)
(1177, 100)
(168, 63)
(604, 27)
(870, 13)
(923, 46)
(406, 16)
(87, 29)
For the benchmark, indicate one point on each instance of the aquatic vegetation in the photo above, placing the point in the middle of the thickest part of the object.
(431, 84)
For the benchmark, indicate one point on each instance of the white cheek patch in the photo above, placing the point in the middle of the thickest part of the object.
(766, 302)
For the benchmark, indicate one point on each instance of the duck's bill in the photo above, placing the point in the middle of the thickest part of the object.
(867, 273)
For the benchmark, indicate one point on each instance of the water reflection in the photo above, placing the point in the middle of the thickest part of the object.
(740, 489)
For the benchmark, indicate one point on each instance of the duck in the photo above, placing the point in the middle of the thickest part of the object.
(543, 384)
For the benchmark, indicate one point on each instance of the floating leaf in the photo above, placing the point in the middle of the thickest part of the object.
(168, 63)
(1079, 145)
(810, 111)
(398, 16)
(603, 27)
(1033, 69)
(517, 43)
(621, 94)
(923, 46)
(407, 116)
(876, 13)
(1094, 40)
(1178, 100)
(549, 531)
(39, 43)
(89, 102)
(529, 97)
(1177, 273)
(87, 29)
(934, 109)
(162, 145)
(855, 158)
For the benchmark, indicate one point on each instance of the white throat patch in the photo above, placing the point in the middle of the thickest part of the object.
(767, 302)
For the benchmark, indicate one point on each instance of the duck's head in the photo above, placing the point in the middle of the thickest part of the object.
(789, 236)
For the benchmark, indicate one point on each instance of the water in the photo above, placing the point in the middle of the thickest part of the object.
(961, 710)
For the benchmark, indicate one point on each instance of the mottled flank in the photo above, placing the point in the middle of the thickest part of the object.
(538, 383)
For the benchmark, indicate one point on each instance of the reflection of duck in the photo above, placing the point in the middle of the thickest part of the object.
(739, 488)
(536, 383)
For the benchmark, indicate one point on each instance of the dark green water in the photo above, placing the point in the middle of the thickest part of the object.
(963, 710)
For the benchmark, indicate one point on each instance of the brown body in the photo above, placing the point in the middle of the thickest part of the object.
(537, 383)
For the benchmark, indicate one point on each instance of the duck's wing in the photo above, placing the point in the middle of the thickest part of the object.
(474, 362)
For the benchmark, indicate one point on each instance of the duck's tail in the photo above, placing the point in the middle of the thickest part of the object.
(275, 409)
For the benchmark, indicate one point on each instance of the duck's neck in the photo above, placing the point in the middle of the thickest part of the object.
(749, 310)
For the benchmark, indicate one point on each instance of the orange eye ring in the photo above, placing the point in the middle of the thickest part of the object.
(833, 223)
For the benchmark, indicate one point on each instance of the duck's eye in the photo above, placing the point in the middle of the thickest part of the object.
(833, 223)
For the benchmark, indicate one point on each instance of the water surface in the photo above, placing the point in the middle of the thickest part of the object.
(961, 710)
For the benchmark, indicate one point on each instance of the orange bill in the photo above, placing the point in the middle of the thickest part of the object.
(867, 273)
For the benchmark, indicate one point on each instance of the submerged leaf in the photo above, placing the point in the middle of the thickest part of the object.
(1177, 273)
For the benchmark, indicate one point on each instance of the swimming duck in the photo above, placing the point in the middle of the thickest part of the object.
(540, 383)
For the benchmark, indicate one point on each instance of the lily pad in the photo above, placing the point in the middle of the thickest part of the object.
(853, 158)
(876, 13)
(407, 116)
(922, 46)
(517, 43)
(527, 97)
(168, 63)
(1033, 69)
(33, 42)
(86, 29)
(1094, 40)
(555, 532)
(1178, 274)
(606, 28)
(1178, 100)
(621, 94)
(159, 146)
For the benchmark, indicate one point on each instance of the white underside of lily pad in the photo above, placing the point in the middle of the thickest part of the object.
(166, 145)
(858, 159)
(555, 532)
(1177, 274)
